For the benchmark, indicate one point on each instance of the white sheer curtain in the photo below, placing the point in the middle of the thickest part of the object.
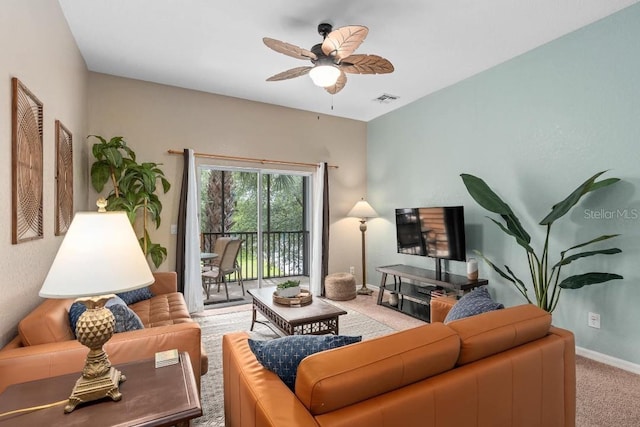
(315, 284)
(192, 275)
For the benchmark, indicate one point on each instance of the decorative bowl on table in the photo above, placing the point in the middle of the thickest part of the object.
(304, 297)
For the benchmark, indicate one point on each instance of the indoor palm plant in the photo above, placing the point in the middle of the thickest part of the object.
(545, 276)
(134, 188)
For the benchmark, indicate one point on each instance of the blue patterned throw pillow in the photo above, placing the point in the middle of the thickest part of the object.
(475, 302)
(136, 295)
(75, 311)
(126, 319)
(283, 355)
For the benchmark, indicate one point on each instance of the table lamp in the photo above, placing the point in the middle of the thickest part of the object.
(99, 256)
(363, 210)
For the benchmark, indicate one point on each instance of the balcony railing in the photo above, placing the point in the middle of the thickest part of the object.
(285, 253)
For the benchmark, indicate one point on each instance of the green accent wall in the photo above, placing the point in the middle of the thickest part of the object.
(533, 128)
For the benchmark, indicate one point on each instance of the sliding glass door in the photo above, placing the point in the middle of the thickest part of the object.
(268, 210)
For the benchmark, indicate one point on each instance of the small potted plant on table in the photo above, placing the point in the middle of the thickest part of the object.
(289, 289)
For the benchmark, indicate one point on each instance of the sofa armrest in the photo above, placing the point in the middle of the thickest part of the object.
(166, 282)
(253, 395)
(440, 307)
(22, 364)
(16, 342)
(569, 373)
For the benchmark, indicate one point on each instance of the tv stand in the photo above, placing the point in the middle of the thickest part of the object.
(418, 293)
(438, 268)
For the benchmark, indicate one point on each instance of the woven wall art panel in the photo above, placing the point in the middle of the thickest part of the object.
(26, 164)
(64, 179)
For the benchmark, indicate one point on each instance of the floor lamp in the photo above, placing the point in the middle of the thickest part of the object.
(363, 210)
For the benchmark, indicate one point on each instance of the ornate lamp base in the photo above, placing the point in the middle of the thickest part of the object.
(99, 379)
(364, 290)
(88, 389)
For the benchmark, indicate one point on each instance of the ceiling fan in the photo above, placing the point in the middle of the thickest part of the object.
(332, 58)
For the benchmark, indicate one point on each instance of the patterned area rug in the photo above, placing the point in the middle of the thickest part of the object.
(215, 326)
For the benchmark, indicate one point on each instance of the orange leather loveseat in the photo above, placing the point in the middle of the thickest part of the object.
(46, 347)
(506, 368)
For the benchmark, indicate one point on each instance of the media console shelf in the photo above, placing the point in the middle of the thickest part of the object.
(419, 293)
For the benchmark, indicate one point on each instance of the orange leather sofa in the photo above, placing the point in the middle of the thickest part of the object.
(46, 347)
(506, 368)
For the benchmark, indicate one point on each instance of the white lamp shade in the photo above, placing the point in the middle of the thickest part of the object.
(362, 209)
(99, 255)
(324, 75)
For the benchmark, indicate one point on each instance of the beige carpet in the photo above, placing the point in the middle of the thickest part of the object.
(606, 396)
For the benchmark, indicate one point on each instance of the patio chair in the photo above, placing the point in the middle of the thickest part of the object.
(218, 249)
(227, 265)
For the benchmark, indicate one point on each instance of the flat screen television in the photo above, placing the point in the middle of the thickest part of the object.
(436, 232)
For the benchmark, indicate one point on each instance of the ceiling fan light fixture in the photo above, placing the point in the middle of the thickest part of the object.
(324, 75)
(332, 58)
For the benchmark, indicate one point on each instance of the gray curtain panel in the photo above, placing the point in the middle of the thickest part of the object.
(182, 219)
(325, 226)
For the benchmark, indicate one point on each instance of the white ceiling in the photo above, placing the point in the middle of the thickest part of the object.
(216, 46)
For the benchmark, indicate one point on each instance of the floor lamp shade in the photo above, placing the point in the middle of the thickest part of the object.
(99, 256)
(363, 210)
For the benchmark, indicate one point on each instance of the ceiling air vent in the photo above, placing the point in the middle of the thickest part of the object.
(385, 98)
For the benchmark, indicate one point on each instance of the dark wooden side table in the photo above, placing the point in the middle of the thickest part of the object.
(150, 397)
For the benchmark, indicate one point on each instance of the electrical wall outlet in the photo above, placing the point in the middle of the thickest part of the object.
(594, 320)
(352, 270)
(174, 228)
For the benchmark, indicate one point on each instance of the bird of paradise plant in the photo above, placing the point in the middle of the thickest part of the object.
(545, 276)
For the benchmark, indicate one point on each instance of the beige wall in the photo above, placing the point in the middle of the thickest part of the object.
(155, 118)
(37, 47)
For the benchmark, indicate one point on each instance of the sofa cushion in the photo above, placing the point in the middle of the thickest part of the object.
(496, 331)
(136, 295)
(162, 310)
(338, 378)
(283, 355)
(475, 302)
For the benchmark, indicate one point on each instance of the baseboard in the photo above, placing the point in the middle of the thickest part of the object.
(608, 360)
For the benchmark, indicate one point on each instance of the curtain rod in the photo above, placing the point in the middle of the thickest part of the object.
(250, 159)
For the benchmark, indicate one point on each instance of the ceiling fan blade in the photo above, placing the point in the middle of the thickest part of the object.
(290, 74)
(340, 83)
(343, 41)
(366, 64)
(289, 49)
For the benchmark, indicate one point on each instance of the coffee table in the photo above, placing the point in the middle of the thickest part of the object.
(316, 318)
